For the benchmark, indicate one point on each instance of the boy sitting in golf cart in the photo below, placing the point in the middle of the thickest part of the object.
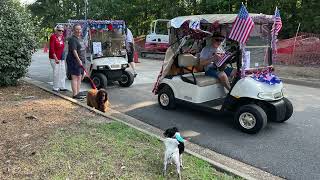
(210, 55)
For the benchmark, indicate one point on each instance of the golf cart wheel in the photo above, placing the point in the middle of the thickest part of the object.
(289, 110)
(250, 118)
(100, 80)
(126, 79)
(166, 98)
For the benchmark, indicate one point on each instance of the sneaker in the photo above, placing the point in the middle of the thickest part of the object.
(55, 90)
(63, 89)
(77, 97)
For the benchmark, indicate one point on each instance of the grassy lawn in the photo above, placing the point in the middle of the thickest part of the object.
(45, 137)
(111, 151)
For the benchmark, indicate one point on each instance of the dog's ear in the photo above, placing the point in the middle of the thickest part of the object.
(165, 133)
(175, 129)
(169, 133)
(106, 96)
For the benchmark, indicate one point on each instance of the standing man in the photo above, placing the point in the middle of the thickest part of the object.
(56, 59)
(74, 60)
(130, 50)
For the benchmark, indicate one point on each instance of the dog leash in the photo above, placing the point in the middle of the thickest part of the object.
(91, 81)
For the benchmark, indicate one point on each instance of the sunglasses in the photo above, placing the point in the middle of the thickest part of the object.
(60, 30)
(218, 40)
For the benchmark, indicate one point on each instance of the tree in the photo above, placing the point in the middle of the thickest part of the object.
(138, 14)
(17, 40)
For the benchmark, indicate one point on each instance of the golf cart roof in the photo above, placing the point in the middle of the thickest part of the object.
(98, 21)
(217, 18)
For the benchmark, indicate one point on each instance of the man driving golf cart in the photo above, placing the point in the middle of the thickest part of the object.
(210, 55)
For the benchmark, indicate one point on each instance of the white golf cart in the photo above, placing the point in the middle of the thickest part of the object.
(254, 99)
(106, 58)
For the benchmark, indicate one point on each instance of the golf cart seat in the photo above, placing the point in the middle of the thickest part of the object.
(199, 79)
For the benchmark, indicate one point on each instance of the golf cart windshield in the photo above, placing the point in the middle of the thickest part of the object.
(258, 47)
(107, 38)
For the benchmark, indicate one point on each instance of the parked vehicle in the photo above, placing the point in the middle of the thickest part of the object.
(106, 53)
(157, 41)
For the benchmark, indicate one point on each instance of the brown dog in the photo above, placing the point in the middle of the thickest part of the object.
(98, 99)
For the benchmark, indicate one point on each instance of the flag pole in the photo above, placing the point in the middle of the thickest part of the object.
(294, 43)
(274, 40)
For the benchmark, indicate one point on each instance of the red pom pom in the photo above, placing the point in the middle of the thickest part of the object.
(110, 27)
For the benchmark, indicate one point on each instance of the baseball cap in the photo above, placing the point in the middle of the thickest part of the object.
(59, 27)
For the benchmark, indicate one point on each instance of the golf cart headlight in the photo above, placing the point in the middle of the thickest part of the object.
(124, 66)
(270, 96)
(100, 67)
(264, 95)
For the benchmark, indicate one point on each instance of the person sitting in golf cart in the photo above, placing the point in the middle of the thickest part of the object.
(210, 55)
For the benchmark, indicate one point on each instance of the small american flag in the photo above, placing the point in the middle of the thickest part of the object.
(195, 25)
(242, 26)
(276, 27)
(223, 59)
(277, 24)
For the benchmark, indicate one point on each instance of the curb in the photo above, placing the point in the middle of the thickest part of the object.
(301, 82)
(218, 161)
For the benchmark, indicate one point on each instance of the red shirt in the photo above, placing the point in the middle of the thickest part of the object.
(56, 46)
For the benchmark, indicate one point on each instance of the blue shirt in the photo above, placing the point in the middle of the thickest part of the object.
(207, 52)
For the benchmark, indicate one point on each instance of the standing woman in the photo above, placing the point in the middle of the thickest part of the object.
(56, 59)
(74, 60)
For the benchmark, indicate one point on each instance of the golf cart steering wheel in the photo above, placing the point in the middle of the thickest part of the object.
(231, 59)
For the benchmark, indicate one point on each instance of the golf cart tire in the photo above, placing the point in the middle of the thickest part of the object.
(129, 77)
(166, 93)
(100, 80)
(289, 110)
(254, 110)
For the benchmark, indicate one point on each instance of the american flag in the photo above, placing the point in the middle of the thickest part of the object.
(276, 27)
(277, 24)
(223, 59)
(242, 26)
(195, 25)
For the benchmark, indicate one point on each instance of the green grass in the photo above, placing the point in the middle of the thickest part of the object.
(111, 151)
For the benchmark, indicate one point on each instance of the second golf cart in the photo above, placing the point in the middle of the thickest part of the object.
(256, 94)
(106, 53)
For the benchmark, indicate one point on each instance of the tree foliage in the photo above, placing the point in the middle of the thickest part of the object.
(17, 39)
(139, 13)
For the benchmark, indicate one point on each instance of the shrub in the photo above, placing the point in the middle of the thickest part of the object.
(17, 39)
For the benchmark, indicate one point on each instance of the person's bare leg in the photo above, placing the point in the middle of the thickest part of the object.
(233, 73)
(79, 83)
(224, 80)
(74, 82)
(133, 66)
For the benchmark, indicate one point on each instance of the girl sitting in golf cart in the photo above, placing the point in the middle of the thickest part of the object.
(209, 57)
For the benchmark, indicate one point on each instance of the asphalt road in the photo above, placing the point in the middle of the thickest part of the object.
(289, 150)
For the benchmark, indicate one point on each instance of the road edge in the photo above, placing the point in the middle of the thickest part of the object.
(301, 82)
(218, 161)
